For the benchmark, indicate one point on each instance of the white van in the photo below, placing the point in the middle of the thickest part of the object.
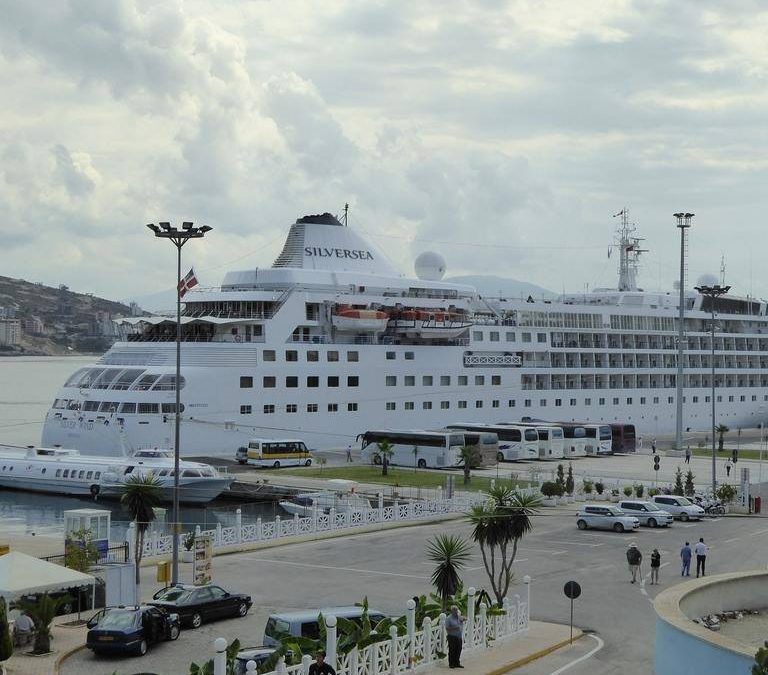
(678, 507)
(305, 623)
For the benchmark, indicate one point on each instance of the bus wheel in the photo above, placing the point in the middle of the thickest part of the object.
(308, 462)
(422, 463)
(499, 456)
(276, 465)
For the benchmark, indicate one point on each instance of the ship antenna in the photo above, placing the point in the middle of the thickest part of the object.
(722, 270)
(346, 214)
(629, 252)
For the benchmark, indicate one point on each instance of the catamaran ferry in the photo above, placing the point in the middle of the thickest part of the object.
(332, 341)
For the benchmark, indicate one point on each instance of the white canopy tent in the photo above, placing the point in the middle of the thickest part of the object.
(22, 574)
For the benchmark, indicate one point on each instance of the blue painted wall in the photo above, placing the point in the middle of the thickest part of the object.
(680, 653)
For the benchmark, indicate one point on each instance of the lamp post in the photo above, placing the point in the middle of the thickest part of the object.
(713, 292)
(178, 237)
(683, 224)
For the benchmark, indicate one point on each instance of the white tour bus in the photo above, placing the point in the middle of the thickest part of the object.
(600, 435)
(515, 442)
(422, 449)
(575, 436)
(275, 453)
(551, 440)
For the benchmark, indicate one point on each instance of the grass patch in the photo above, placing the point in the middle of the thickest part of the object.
(727, 454)
(397, 476)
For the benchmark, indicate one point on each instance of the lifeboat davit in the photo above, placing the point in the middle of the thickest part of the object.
(430, 324)
(360, 320)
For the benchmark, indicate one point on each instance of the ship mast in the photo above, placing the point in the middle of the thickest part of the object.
(629, 252)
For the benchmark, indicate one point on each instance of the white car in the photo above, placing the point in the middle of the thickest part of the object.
(679, 507)
(647, 513)
(602, 517)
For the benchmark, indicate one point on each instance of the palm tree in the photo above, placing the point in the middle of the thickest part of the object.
(469, 459)
(451, 553)
(498, 526)
(6, 644)
(140, 495)
(385, 451)
(721, 430)
(42, 610)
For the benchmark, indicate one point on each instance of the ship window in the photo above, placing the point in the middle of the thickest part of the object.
(494, 336)
(167, 383)
(391, 356)
(90, 377)
(479, 380)
(496, 380)
(333, 407)
(642, 400)
(311, 407)
(313, 356)
(332, 356)
(527, 403)
(541, 337)
(106, 378)
(91, 406)
(245, 410)
(463, 380)
(97, 475)
(145, 382)
(58, 472)
(408, 405)
(558, 402)
(170, 408)
(269, 382)
(313, 381)
(268, 355)
(615, 400)
(587, 401)
(269, 409)
(601, 401)
(291, 382)
(352, 407)
(128, 408)
(126, 379)
(409, 356)
(671, 399)
(353, 381)
(109, 406)
(391, 405)
(445, 380)
(462, 404)
(426, 380)
(148, 408)
(510, 337)
(89, 475)
(477, 336)
(333, 380)
(353, 356)
(66, 473)
(75, 377)
(410, 380)
(246, 382)
(629, 400)
(656, 399)
(543, 403)
(478, 404)
(427, 405)
(526, 337)
(291, 355)
(391, 380)
(445, 405)
(60, 403)
(291, 408)
(511, 403)
(190, 473)
(44, 470)
(494, 404)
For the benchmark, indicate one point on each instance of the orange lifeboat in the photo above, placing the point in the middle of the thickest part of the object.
(360, 320)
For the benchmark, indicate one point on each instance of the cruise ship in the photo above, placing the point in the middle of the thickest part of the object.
(332, 341)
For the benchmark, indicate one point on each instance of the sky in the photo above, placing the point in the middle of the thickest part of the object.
(503, 135)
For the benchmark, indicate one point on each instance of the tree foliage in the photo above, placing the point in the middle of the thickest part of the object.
(450, 552)
(385, 452)
(80, 552)
(678, 488)
(569, 483)
(690, 488)
(140, 495)
(42, 610)
(206, 668)
(470, 459)
(761, 661)
(6, 644)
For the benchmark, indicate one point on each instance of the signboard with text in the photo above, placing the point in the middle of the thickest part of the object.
(202, 563)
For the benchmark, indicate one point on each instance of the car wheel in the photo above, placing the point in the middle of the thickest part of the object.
(499, 456)
(651, 522)
(308, 462)
(422, 463)
(242, 609)
(197, 620)
(618, 527)
(175, 631)
(581, 524)
(684, 517)
(142, 648)
(241, 461)
(276, 465)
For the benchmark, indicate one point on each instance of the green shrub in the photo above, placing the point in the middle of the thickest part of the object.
(726, 493)
(551, 489)
(639, 490)
(587, 486)
(628, 490)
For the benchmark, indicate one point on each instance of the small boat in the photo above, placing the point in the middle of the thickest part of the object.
(66, 471)
(341, 497)
(430, 324)
(360, 320)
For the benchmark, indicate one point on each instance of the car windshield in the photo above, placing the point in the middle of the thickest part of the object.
(650, 506)
(615, 512)
(117, 620)
(276, 627)
(173, 595)
(682, 501)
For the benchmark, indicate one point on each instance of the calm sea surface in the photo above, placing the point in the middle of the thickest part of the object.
(28, 386)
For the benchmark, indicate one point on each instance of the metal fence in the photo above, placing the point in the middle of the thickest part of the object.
(118, 553)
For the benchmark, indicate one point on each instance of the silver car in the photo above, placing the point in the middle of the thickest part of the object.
(603, 517)
(647, 513)
(679, 507)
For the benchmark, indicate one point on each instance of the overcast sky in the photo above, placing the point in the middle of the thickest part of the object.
(502, 134)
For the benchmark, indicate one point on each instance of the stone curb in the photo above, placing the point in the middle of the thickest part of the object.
(64, 656)
(525, 660)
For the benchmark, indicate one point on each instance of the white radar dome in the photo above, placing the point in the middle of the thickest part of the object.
(707, 280)
(430, 266)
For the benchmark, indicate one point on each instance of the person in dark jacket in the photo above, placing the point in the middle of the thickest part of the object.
(655, 566)
(685, 555)
(320, 667)
(634, 558)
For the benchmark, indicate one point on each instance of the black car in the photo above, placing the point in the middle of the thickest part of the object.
(195, 604)
(125, 630)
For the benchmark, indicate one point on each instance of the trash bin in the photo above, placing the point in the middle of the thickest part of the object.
(758, 504)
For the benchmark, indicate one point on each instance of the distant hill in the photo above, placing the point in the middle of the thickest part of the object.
(57, 320)
(492, 286)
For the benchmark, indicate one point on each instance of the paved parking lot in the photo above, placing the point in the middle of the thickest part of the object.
(390, 566)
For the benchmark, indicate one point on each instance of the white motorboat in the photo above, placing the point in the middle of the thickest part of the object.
(341, 497)
(66, 471)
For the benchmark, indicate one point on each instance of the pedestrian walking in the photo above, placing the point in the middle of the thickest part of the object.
(688, 455)
(655, 565)
(320, 667)
(349, 453)
(728, 467)
(653, 446)
(701, 550)
(634, 559)
(453, 626)
(685, 555)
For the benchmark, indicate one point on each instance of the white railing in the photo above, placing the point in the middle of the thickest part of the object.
(319, 522)
(416, 650)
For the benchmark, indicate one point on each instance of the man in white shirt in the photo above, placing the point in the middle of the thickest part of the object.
(23, 629)
(701, 551)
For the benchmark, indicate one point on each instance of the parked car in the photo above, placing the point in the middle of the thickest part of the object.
(602, 517)
(257, 654)
(77, 598)
(196, 604)
(305, 623)
(241, 455)
(125, 630)
(679, 507)
(647, 513)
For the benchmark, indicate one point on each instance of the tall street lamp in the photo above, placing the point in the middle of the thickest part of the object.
(683, 224)
(713, 292)
(178, 237)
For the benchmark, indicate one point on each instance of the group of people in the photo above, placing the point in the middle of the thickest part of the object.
(635, 560)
